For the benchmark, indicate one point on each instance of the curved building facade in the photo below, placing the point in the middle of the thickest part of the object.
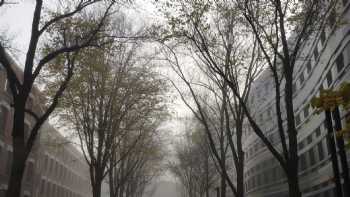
(55, 167)
(326, 63)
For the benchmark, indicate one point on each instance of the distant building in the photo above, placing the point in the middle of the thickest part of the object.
(55, 167)
(326, 64)
(62, 170)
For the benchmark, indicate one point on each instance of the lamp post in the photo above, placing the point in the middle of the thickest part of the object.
(329, 102)
(217, 191)
(342, 151)
(332, 149)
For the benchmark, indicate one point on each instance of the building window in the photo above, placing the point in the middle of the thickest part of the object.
(2, 160)
(29, 171)
(332, 18)
(2, 193)
(266, 87)
(320, 151)
(308, 67)
(327, 147)
(2, 120)
(315, 52)
(340, 62)
(253, 181)
(261, 117)
(258, 179)
(294, 88)
(274, 174)
(302, 164)
(329, 78)
(318, 132)
(26, 131)
(7, 87)
(297, 120)
(306, 111)
(268, 176)
(309, 139)
(42, 187)
(301, 145)
(312, 157)
(301, 78)
(3, 117)
(9, 162)
(323, 37)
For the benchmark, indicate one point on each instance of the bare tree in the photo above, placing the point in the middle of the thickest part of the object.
(21, 84)
(282, 29)
(230, 62)
(131, 176)
(193, 166)
(112, 104)
(270, 23)
(139, 152)
(222, 118)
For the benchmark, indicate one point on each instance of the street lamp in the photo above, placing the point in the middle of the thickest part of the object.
(217, 189)
(329, 102)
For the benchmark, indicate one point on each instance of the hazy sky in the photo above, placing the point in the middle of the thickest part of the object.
(16, 21)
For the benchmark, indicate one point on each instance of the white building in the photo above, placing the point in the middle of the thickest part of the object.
(327, 64)
(55, 167)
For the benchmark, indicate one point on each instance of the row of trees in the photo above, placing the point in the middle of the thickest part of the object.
(89, 61)
(230, 43)
(193, 166)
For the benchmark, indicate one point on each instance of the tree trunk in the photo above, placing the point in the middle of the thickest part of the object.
(111, 176)
(17, 171)
(292, 160)
(223, 159)
(19, 155)
(223, 184)
(293, 185)
(342, 152)
(96, 188)
(333, 151)
(207, 174)
(96, 181)
(240, 180)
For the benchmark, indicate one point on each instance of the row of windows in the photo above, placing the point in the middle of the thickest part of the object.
(315, 52)
(273, 138)
(52, 168)
(339, 65)
(62, 174)
(329, 80)
(269, 171)
(265, 177)
(301, 78)
(266, 117)
(327, 193)
(306, 112)
(53, 190)
(3, 118)
(6, 161)
(6, 164)
(325, 189)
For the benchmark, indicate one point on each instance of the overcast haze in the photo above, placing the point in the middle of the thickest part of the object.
(16, 20)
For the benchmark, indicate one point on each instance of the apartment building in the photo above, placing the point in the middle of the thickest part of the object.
(326, 64)
(55, 167)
